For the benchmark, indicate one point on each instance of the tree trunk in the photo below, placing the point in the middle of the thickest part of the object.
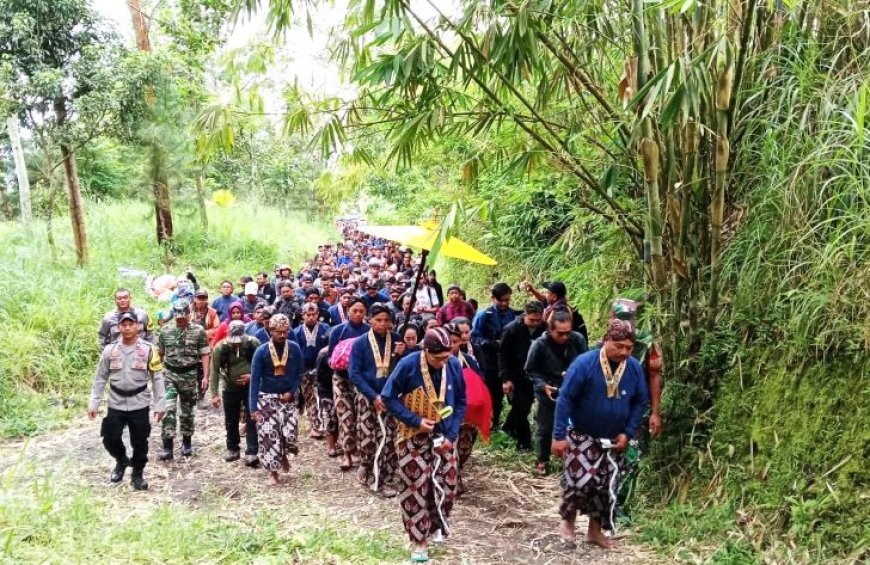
(200, 198)
(160, 185)
(4, 202)
(76, 208)
(20, 170)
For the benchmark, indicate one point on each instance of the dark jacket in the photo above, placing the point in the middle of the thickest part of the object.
(514, 348)
(548, 361)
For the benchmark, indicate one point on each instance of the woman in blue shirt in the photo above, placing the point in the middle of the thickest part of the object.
(430, 380)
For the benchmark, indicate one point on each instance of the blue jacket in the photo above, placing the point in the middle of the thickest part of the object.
(263, 377)
(583, 400)
(345, 331)
(407, 376)
(309, 354)
(221, 304)
(335, 315)
(362, 370)
(486, 330)
(262, 334)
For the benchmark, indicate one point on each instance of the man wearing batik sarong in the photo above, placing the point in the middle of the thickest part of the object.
(372, 358)
(603, 396)
(431, 381)
(276, 371)
(344, 394)
(312, 336)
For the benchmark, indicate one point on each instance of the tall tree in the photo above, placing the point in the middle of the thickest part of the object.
(159, 181)
(57, 61)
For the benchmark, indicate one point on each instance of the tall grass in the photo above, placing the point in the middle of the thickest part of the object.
(773, 447)
(50, 310)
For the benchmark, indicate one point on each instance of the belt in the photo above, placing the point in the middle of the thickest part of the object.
(128, 393)
(181, 369)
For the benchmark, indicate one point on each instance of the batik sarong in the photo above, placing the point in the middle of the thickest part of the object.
(328, 416)
(465, 443)
(429, 483)
(277, 431)
(372, 441)
(309, 404)
(345, 409)
(590, 480)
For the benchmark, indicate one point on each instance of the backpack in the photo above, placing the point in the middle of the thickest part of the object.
(340, 358)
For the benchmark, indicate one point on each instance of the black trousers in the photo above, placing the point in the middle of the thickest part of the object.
(544, 417)
(493, 383)
(112, 430)
(516, 424)
(233, 400)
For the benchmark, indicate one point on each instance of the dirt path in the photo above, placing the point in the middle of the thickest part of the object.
(505, 517)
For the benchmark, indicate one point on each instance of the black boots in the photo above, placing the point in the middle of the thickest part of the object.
(138, 481)
(168, 447)
(186, 447)
(118, 472)
(232, 455)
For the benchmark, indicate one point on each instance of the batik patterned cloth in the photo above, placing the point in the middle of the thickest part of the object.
(345, 409)
(277, 431)
(309, 401)
(370, 436)
(328, 415)
(465, 443)
(590, 480)
(425, 475)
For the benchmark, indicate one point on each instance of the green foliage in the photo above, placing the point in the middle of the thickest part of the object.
(50, 312)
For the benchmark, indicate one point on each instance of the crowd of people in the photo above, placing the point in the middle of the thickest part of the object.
(398, 378)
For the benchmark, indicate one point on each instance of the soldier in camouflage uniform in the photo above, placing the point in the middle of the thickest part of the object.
(184, 348)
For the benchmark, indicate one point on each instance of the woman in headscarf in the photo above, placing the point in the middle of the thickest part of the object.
(373, 357)
(276, 372)
(236, 312)
(426, 393)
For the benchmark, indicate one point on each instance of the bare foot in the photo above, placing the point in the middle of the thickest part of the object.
(273, 479)
(601, 540)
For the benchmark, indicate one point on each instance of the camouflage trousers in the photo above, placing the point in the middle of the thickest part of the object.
(180, 404)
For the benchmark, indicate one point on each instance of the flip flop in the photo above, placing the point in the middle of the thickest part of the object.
(332, 453)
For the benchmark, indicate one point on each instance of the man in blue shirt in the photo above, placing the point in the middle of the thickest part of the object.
(598, 410)
(486, 332)
(312, 336)
(276, 371)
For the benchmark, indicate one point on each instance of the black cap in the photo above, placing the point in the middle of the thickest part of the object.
(128, 315)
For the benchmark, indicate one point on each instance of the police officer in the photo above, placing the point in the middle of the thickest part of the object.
(184, 349)
(127, 366)
(108, 332)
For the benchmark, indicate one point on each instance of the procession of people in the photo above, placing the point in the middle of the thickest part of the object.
(361, 347)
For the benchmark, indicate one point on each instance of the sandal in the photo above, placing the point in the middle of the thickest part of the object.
(332, 453)
(541, 469)
(420, 556)
(345, 465)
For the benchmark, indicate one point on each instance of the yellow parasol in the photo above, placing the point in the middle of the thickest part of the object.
(424, 238)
